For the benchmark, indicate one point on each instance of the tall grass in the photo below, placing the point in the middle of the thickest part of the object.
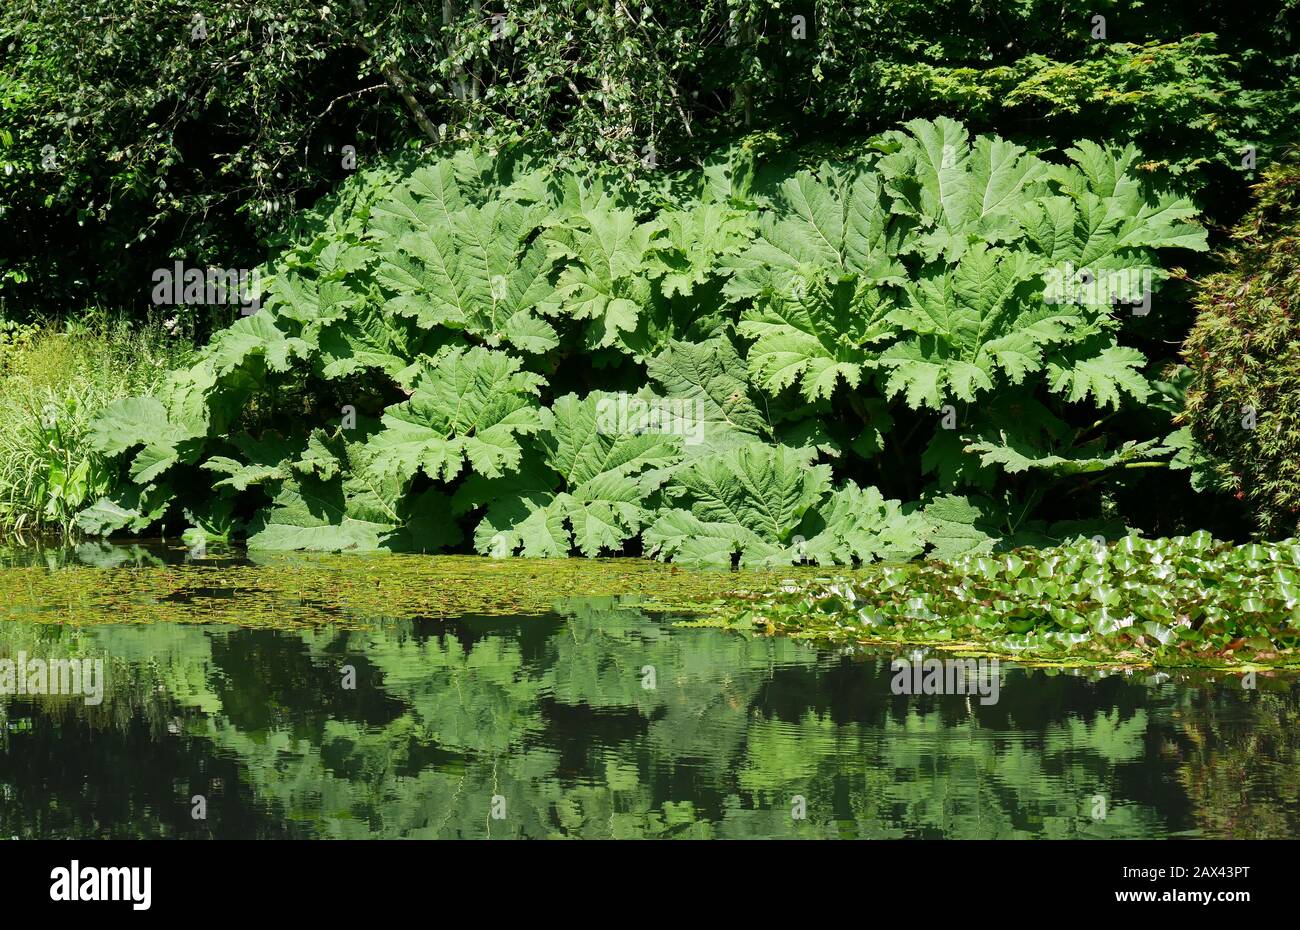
(53, 381)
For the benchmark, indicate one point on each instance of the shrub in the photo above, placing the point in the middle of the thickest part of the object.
(1243, 404)
(746, 362)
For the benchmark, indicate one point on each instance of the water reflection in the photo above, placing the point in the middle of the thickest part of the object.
(603, 721)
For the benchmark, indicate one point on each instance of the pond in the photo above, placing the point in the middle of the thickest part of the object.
(600, 716)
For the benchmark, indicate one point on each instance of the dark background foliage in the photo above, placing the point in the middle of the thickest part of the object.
(134, 132)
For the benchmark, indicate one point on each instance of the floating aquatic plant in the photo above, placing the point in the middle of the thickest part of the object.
(1188, 600)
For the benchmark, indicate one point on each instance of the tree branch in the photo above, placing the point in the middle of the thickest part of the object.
(395, 80)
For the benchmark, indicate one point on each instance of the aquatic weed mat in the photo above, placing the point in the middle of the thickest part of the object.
(308, 590)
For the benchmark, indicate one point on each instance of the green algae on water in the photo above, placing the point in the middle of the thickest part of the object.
(307, 590)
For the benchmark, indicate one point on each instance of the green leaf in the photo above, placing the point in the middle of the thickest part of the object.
(473, 270)
(857, 524)
(599, 470)
(834, 221)
(751, 498)
(971, 327)
(816, 337)
(256, 336)
(143, 422)
(353, 509)
(1106, 375)
(469, 406)
(707, 387)
(1016, 457)
(325, 516)
(693, 244)
(607, 282)
(134, 509)
(961, 526)
(959, 194)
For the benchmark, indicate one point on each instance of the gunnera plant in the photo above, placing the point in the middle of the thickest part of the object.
(1243, 402)
(743, 363)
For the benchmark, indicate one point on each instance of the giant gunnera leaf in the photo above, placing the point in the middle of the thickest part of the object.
(706, 395)
(770, 505)
(835, 220)
(468, 406)
(351, 508)
(969, 328)
(957, 194)
(818, 336)
(606, 281)
(475, 271)
(601, 459)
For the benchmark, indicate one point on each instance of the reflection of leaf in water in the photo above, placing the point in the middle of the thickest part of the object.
(1240, 760)
(552, 717)
(103, 555)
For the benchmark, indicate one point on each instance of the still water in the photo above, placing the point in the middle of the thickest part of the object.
(604, 719)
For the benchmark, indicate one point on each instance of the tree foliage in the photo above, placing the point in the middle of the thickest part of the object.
(1243, 409)
(133, 132)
